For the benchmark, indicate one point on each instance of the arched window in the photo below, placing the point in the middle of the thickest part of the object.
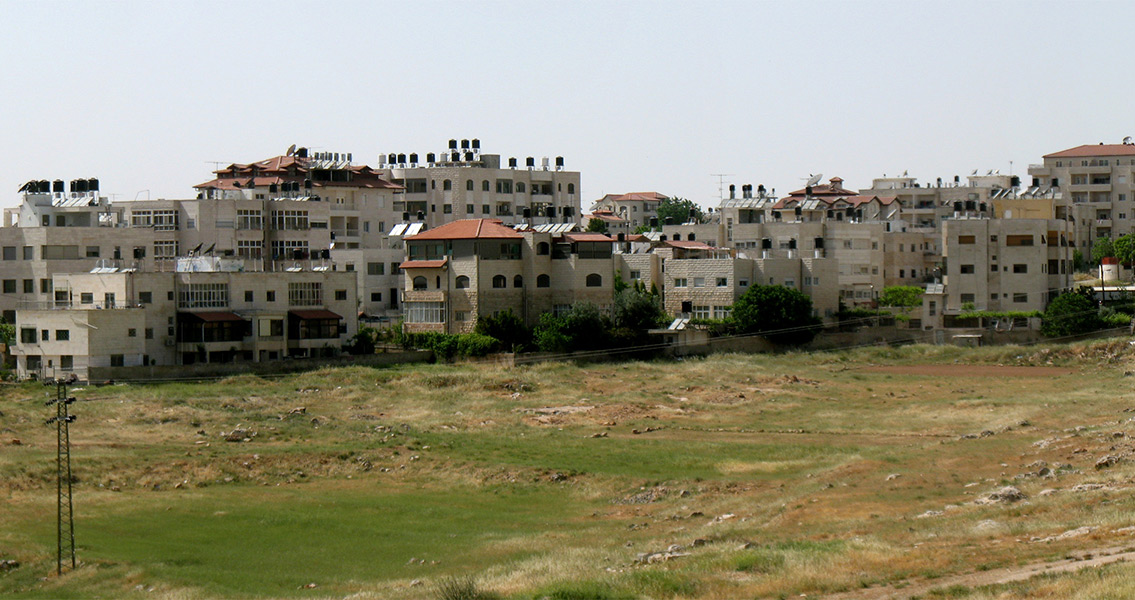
(469, 184)
(462, 282)
(517, 281)
(446, 185)
(571, 188)
(499, 281)
(543, 281)
(519, 187)
(485, 185)
(690, 237)
(419, 283)
(594, 280)
(542, 248)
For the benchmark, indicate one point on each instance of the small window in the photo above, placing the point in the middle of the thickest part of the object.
(571, 188)
(967, 239)
(742, 283)
(462, 282)
(9, 286)
(469, 186)
(117, 360)
(517, 281)
(62, 335)
(722, 282)
(340, 294)
(594, 280)
(542, 248)
(131, 332)
(485, 208)
(485, 185)
(1019, 297)
(446, 185)
(469, 209)
(270, 296)
(699, 282)
(1020, 268)
(376, 268)
(92, 251)
(66, 362)
(248, 296)
(145, 297)
(679, 282)
(86, 298)
(499, 281)
(376, 296)
(149, 333)
(419, 283)
(966, 269)
(543, 281)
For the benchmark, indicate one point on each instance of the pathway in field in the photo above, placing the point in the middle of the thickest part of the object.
(1080, 560)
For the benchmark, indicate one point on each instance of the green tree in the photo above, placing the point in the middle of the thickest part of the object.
(582, 328)
(637, 309)
(1102, 248)
(506, 327)
(597, 225)
(678, 209)
(1077, 260)
(906, 296)
(7, 332)
(782, 315)
(1071, 313)
(1124, 248)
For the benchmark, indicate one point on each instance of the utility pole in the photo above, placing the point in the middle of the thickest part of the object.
(64, 515)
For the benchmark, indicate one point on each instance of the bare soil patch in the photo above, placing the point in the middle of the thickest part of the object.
(970, 370)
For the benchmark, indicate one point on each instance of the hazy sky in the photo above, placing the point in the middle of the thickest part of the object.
(637, 96)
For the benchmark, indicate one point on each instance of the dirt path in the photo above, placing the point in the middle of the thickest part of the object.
(971, 370)
(1078, 560)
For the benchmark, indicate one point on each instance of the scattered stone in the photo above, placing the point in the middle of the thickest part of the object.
(1005, 495)
(646, 496)
(930, 513)
(1063, 536)
(684, 494)
(1037, 464)
(747, 546)
(722, 518)
(1108, 461)
(9, 564)
(987, 525)
(239, 435)
(1088, 487)
(893, 476)
(986, 433)
(1024, 423)
(15, 442)
(309, 586)
(1046, 473)
(1118, 435)
(315, 422)
(702, 541)
(301, 410)
(602, 434)
(415, 582)
(1046, 492)
(557, 476)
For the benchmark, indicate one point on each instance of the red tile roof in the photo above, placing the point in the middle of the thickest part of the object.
(587, 237)
(469, 229)
(639, 196)
(291, 168)
(1097, 150)
(606, 215)
(422, 264)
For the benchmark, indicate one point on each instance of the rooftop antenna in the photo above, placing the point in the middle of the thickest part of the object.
(720, 184)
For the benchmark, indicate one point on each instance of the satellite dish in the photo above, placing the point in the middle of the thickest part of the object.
(1127, 141)
(974, 172)
(291, 150)
(814, 179)
(904, 173)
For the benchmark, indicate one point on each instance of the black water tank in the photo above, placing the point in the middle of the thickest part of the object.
(301, 153)
(468, 157)
(559, 161)
(530, 162)
(325, 253)
(307, 184)
(401, 159)
(430, 157)
(81, 185)
(421, 216)
(92, 184)
(454, 156)
(792, 244)
(567, 210)
(452, 144)
(414, 157)
(620, 237)
(527, 213)
(476, 144)
(512, 162)
(669, 220)
(766, 244)
(273, 188)
(464, 144)
(550, 211)
(405, 216)
(654, 221)
(297, 254)
(58, 186)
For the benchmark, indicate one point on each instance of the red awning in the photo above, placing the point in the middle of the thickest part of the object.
(214, 317)
(309, 315)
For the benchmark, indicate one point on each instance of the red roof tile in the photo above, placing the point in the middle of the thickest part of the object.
(422, 264)
(469, 229)
(587, 237)
(1097, 150)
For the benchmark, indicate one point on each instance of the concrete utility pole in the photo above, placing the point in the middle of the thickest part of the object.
(64, 519)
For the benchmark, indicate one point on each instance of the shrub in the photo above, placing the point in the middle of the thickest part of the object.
(1071, 313)
(462, 588)
(781, 314)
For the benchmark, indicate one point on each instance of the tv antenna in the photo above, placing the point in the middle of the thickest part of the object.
(720, 184)
(64, 515)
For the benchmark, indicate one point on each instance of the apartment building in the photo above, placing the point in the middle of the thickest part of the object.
(1095, 189)
(207, 310)
(1005, 264)
(461, 183)
(635, 208)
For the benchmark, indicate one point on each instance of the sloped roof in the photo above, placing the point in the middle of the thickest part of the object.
(469, 229)
(587, 237)
(422, 264)
(688, 245)
(1096, 150)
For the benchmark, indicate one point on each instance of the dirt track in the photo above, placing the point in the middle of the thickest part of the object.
(971, 370)
(1080, 560)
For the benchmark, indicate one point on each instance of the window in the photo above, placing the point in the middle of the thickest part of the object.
(517, 281)
(742, 283)
(1020, 297)
(499, 281)
(425, 312)
(594, 280)
(699, 282)
(29, 252)
(270, 296)
(63, 335)
(571, 188)
(145, 297)
(249, 219)
(967, 239)
(44, 286)
(789, 282)
(165, 250)
(376, 268)
(504, 186)
(117, 360)
(847, 243)
(27, 335)
(679, 282)
(543, 281)
(149, 333)
(250, 249)
(447, 209)
(722, 282)
(722, 312)
(519, 187)
(9, 286)
(290, 220)
(92, 251)
(248, 296)
(86, 298)
(902, 273)
(967, 269)
(1020, 268)
(131, 332)
(542, 249)
(305, 293)
(340, 294)
(9, 253)
(967, 298)
(485, 207)
(202, 295)
(462, 282)
(701, 312)
(469, 209)
(66, 362)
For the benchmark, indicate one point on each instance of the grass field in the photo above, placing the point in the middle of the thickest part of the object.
(853, 474)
